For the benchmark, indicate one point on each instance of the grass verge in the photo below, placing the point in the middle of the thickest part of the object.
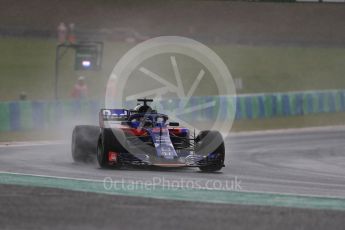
(28, 65)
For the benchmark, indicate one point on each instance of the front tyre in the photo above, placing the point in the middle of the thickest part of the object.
(84, 143)
(211, 144)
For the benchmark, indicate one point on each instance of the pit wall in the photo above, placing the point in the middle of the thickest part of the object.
(29, 115)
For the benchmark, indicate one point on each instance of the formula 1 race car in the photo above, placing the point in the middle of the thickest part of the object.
(144, 137)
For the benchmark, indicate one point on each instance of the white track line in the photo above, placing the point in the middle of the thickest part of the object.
(244, 133)
(289, 131)
(30, 143)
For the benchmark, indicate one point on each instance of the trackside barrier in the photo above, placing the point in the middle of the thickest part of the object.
(27, 115)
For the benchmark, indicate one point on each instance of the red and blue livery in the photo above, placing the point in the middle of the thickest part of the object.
(144, 137)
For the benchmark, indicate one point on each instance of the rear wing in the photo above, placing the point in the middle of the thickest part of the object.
(112, 116)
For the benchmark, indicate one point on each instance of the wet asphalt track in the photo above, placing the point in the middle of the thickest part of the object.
(308, 162)
(43, 208)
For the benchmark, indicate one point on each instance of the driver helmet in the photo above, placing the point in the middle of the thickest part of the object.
(142, 108)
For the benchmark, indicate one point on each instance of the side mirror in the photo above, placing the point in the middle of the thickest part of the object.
(174, 124)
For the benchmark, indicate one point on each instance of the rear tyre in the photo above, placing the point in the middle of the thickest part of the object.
(84, 143)
(211, 143)
(108, 142)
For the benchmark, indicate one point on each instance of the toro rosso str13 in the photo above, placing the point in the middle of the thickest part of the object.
(144, 137)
